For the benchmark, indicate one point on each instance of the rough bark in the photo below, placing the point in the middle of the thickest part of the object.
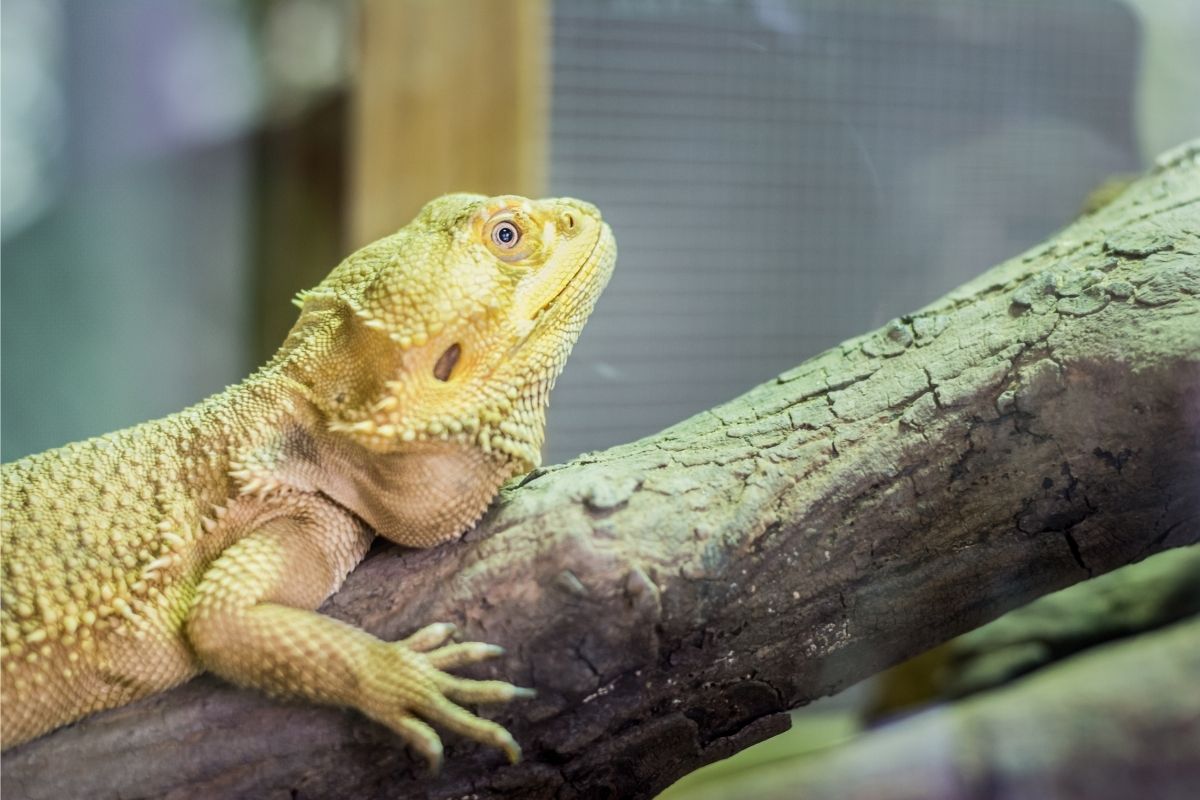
(1079, 729)
(670, 598)
(1135, 599)
(1143, 597)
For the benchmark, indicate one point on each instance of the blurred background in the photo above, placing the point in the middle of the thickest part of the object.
(780, 175)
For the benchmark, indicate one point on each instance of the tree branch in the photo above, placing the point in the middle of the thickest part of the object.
(1133, 600)
(1080, 728)
(670, 598)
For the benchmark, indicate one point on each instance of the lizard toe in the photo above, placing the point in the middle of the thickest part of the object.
(430, 636)
(466, 690)
(422, 738)
(458, 654)
(464, 723)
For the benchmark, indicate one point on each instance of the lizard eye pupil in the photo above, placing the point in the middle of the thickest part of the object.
(445, 364)
(506, 234)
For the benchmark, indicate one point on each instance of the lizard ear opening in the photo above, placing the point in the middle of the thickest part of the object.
(445, 364)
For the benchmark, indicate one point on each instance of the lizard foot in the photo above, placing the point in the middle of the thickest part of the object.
(406, 685)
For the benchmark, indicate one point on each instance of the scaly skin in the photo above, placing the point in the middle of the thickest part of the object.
(413, 384)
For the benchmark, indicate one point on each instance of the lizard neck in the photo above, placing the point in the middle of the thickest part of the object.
(417, 494)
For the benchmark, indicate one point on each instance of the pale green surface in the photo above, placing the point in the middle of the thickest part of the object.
(811, 731)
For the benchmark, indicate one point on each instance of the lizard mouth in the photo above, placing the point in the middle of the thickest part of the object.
(587, 263)
(584, 285)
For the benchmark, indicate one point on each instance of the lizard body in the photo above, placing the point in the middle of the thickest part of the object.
(412, 385)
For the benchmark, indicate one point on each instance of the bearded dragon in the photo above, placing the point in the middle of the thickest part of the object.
(413, 384)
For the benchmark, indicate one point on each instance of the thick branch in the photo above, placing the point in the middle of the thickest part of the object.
(1133, 600)
(1081, 728)
(670, 597)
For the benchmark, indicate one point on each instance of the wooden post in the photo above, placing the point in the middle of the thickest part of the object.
(451, 95)
(300, 224)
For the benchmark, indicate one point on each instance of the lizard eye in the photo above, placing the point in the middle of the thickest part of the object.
(506, 235)
(445, 364)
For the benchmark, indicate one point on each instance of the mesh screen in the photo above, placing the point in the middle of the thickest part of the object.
(783, 175)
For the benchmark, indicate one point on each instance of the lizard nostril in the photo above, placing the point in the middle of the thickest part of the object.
(568, 220)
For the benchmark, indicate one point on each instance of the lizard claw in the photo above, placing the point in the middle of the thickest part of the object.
(408, 690)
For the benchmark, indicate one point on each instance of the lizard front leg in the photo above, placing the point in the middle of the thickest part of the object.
(253, 624)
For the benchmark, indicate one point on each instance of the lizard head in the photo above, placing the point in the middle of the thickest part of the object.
(453, 330)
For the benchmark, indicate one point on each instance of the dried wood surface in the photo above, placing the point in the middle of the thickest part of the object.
(1117, 721)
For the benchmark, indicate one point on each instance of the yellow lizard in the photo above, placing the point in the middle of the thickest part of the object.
(413, 384)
